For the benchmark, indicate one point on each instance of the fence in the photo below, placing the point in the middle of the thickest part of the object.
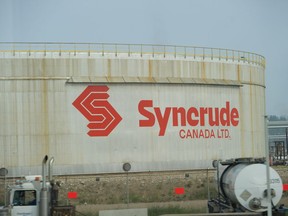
(140, 49)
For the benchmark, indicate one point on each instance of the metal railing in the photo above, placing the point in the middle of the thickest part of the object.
(131, 49)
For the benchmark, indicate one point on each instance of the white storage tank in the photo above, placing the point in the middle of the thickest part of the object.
(95, 107)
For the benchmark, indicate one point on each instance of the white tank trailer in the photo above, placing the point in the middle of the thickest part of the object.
(242, 186)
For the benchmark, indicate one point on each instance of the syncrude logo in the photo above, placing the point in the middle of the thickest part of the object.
(93, 104)
(194, 117)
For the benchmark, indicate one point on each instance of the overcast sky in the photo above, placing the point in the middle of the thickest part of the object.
(259, 26)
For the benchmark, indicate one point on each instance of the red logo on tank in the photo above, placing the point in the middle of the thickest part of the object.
(93, 104)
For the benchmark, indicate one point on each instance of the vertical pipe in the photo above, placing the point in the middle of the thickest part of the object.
(212, 53)
(174, 51)
(203, 52)
(208, 187)
(74, 49)
(5, 191)
(286, 142)
(269, 206)
(44, 193)
(43, 171)
(284, 150)
(185, 53)
(218, 185)
(50, 169)
(44, 202)
(127, 192)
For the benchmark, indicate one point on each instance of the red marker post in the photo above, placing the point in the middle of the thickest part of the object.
(179, 191)
(285, 187)
(72, 195)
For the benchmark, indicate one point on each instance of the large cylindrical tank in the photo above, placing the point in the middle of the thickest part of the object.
(246, 184)
(95, 107)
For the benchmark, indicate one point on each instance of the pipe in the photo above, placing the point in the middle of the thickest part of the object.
(43, 171)
(286, 130)
(43, 210)
(269, 200)
(50, 170)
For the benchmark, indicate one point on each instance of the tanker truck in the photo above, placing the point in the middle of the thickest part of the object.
(242, 186)
(36, 196)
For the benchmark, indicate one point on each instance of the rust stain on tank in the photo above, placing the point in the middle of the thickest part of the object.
(150, 68)
(251, 113)
(221, 71)
(45, 111)
(108, 68)
(238, 73)
(242, 138)
(203, 71)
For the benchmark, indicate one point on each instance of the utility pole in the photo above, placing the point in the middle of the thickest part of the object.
(286, 142)
(269, 206)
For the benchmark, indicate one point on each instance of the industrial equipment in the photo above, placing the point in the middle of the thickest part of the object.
(35, 196)
(242, 186)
